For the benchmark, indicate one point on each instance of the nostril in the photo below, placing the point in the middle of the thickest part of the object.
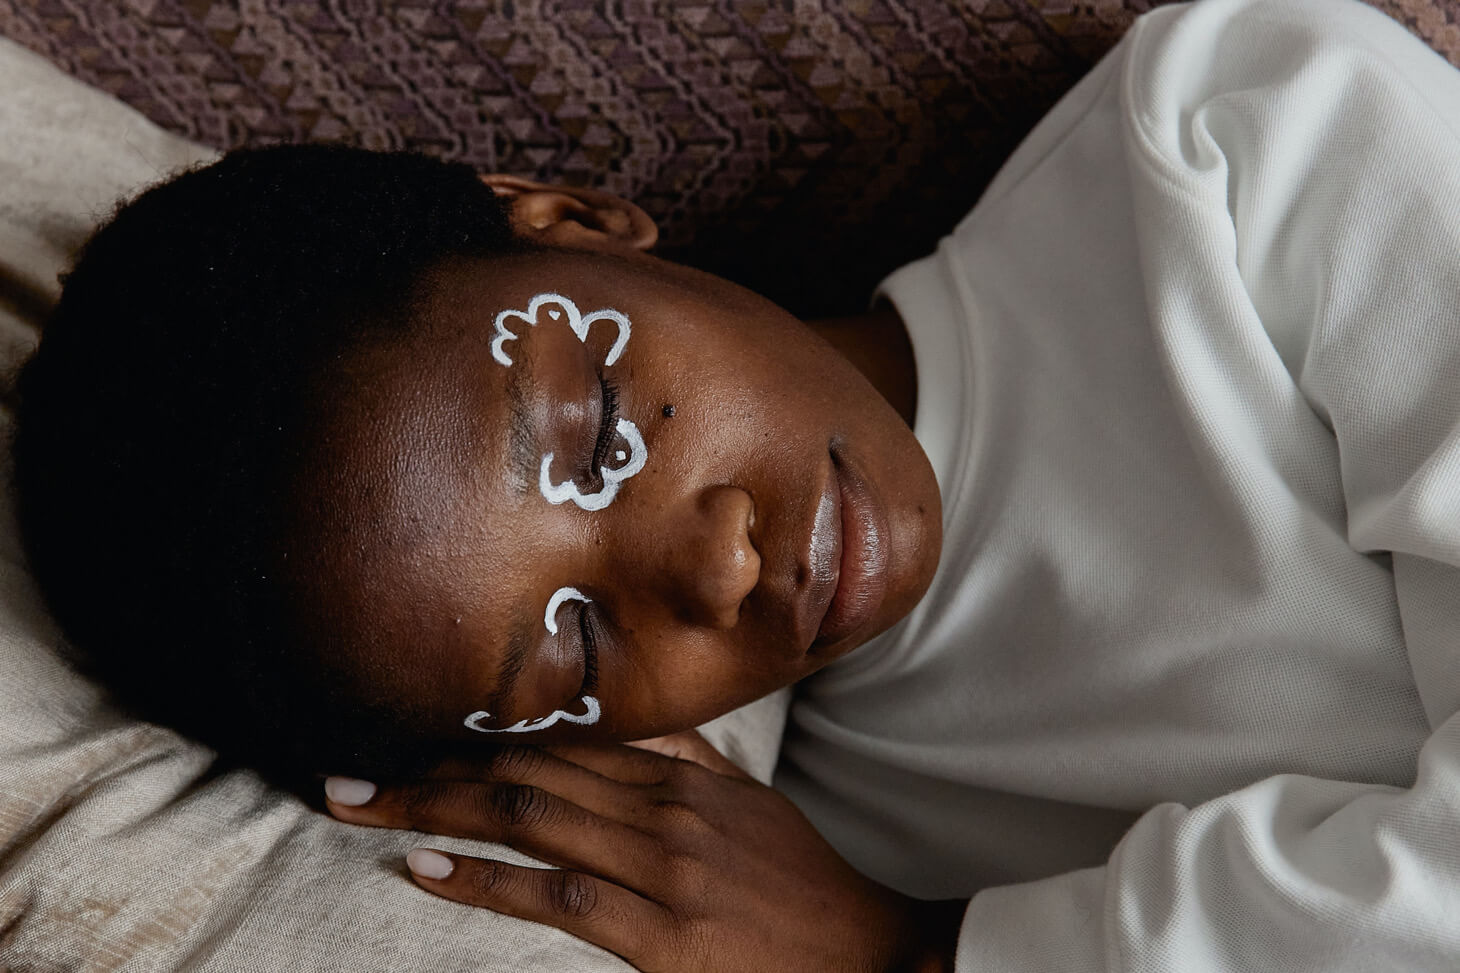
(720, 564)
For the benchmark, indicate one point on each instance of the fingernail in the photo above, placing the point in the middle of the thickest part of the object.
(348, 790)
(429, 864)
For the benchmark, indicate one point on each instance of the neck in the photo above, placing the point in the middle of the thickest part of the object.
(877, 344)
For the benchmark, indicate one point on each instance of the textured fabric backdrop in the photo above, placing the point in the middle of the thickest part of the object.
(803, 147)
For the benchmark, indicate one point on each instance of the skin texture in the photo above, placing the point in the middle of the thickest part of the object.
(679, 863)
(695, 570)
(669, 856)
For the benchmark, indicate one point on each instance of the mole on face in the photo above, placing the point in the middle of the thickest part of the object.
(669, 412)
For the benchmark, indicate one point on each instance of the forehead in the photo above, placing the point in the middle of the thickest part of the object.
(466, 289)
(416, 479)
(403, 516)
(433, 406)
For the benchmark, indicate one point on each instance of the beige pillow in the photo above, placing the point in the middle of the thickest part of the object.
(118, 848)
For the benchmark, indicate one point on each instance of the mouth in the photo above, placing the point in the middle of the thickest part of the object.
(848, 557)
(824, 560)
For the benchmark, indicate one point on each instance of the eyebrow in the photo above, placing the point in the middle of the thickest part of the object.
(522, 442)
(514, 663)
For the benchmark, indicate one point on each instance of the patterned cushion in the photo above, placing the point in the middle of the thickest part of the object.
(802, 147)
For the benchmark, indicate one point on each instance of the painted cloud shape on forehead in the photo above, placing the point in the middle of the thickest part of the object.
(579, 322)
(542, 722)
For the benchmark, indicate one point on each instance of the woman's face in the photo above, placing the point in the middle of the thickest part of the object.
(602, 496)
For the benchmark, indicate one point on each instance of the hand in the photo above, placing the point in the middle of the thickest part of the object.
(674, 864)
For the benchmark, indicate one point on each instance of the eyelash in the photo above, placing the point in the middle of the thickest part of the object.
(590, 652)
(608, 425)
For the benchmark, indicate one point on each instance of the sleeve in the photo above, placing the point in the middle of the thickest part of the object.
(1307, 150)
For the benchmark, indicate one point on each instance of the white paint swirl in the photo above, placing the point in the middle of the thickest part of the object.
(612, 478)
(543, 722)
(579, 322)
(549, 617)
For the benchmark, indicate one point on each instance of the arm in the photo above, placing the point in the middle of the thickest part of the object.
(1295, 165)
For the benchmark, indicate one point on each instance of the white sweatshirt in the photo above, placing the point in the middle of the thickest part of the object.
(1189, 375)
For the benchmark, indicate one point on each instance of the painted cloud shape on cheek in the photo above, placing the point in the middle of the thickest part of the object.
(603, 496)
(560, 308)
(549, 617)
(542, 722)
(591, 711)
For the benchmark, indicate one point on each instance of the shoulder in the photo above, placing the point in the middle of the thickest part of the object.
(1247, 43)
(1340, 64)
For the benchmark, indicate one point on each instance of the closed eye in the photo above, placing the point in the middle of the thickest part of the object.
(607, 424)
(590, 651)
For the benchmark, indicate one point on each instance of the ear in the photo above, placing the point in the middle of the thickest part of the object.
(584, 219)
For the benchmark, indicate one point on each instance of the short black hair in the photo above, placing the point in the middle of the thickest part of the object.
(159, 426)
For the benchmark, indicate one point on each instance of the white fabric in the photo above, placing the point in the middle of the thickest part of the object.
(1190, 380)
(118, 849)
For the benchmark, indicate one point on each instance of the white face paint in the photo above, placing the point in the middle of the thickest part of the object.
(549, 617)
(580, 324)
(603, 496)
(560, 308)
(542, 722)
(590, 715)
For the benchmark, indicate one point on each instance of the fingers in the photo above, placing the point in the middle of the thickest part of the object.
(543, 770)
(587, 907)
(527, 818)
(691, 746)
(625, 764)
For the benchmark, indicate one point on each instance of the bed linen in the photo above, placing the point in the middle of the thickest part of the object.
(121, 846)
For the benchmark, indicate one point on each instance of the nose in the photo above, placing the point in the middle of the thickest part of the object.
(709, 563)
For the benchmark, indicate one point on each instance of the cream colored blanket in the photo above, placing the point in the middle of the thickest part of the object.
(118, 849)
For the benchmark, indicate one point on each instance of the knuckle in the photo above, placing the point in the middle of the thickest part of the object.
(422, 803)
(519, 807)
(677, 774)
(489, 879)
(688, 876)
(678, 816)
(649, 765)
(676, 813)
(572, 895)
(513, 762)
(685, 784)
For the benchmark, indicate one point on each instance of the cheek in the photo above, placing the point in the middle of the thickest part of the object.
(760, 376)
(678, 678)
(726, 415)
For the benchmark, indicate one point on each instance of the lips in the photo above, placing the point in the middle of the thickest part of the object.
(824, 560)
(848, 558)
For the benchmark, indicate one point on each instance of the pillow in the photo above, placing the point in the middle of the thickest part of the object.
(120, 846)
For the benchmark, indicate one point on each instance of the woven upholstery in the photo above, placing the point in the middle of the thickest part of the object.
(803, 147)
